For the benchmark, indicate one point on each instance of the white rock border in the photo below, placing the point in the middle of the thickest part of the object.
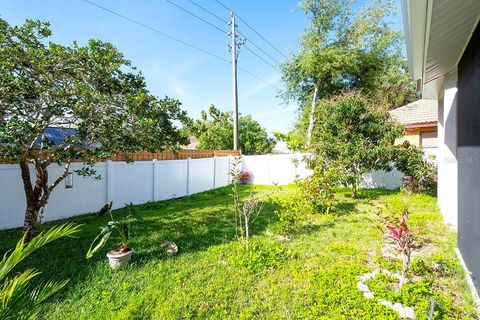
(403, 311)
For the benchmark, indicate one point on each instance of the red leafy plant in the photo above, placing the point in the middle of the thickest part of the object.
(403, 241)
(246, 177)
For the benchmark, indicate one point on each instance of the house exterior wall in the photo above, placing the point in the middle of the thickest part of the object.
(447, 151)
(468, 154)
(414, 137)
(413, 134)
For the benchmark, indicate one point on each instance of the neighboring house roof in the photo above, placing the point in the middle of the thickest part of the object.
(58, 134)
(54, 134)
(416, 113)
(193, 143)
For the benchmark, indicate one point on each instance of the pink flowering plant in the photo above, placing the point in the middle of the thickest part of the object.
(245, 177)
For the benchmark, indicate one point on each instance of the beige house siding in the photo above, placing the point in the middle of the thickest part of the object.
(413, 135)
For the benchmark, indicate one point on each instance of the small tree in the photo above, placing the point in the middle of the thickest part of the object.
(87, 89)
(246, 211)
(215, 131)
(357, 136)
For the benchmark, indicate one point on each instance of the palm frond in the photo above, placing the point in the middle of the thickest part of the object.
(14, 287)
(17, 299)
(14, 296)
(45, 291)
(21, 251)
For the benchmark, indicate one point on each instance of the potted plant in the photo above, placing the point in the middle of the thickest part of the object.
(120, 231)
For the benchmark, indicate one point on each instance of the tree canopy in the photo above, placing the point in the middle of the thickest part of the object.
(215, 131)
(343, 48)
(92, 89)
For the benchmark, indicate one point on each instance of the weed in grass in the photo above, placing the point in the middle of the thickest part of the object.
(260, 256)
(417, 294)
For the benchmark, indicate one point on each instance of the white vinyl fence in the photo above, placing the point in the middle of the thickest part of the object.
(144, 181)
(137, 182)
(280, 169)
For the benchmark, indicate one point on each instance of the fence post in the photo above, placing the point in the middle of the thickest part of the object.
(109, 181)
(214, 171)
(188, 176)
(268, 168)
(295, 167)
(155, 180)
(229, 168)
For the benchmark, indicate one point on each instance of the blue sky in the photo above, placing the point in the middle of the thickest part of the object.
(175, 70)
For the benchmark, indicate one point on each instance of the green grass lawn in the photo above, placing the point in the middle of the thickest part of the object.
(313, 276)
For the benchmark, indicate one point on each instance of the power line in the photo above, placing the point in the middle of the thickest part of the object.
(156, 31)
(254, 44)
(276, 49)
(257, 77)
(196, 16)
(223, 5)
(261, 58)
(214, 26)
(208, 11)
(175, 39)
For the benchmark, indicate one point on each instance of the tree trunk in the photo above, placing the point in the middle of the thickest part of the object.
(405, 267)
(354, 189)
(30, 222)
(311, 122)
(31, 211)
(246, 232)
(37, 195)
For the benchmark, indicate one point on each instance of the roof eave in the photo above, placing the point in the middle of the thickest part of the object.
(421, 125)
(416, 17)
(437, 33)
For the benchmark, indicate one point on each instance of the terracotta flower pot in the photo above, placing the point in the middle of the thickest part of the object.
(116, 259)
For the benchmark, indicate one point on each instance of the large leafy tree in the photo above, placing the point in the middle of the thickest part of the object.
(92, 89)
(215, 131)
(343, 48)
(356, 135)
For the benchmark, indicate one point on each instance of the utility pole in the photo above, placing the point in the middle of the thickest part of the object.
(233, 49)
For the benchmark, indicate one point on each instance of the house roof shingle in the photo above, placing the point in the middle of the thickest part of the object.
(418, 112)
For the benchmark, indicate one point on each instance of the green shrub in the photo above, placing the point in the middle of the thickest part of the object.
(420, 174)
(315, 195)
(317, 189)
(355, 134)
(292, 212)
(18, 298)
